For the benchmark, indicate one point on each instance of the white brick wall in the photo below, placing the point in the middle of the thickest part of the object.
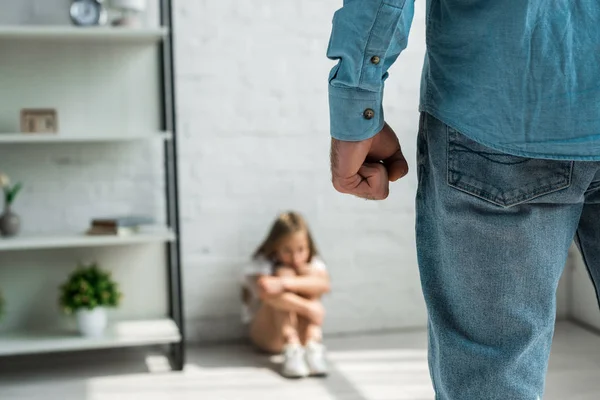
(253, 120)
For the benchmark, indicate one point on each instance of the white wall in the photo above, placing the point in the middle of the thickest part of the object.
(253, 121)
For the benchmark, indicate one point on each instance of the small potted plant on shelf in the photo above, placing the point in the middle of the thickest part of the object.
(88, 293)
(10, 222)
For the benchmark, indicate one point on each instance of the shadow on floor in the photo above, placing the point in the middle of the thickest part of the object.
(76, 365)
(362, 368)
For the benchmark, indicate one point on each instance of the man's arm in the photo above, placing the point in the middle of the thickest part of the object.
(367, 37)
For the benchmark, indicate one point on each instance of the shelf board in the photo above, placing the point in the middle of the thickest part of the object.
(58, 241)
(71, 138)
(88, 34)
(119, 334)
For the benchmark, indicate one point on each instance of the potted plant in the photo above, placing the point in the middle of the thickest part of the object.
(10, 222)
(88, 293)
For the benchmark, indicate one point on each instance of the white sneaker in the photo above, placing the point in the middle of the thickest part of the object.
(294, 365)
(315, 359)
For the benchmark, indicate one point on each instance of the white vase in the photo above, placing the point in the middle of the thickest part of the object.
(91, 323)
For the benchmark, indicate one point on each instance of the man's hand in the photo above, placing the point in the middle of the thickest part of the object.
(366, 168)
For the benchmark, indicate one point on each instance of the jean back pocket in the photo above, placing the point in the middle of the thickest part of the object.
(499, 178)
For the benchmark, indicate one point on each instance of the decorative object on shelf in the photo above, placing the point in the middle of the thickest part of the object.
(10, 223)
(87, 293)
(92, 323)
(39, 120)
(131, 11)
(88, 12)
(119, 225)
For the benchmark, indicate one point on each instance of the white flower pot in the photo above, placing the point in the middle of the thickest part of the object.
(92, 323)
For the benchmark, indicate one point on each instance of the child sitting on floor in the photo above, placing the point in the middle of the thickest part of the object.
(282, 289)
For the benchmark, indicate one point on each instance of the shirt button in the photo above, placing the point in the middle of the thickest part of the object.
(375, 60)
(368, 113)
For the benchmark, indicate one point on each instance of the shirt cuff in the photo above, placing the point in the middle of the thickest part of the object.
(355, 114)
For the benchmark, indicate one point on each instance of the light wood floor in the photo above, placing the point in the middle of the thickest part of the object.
(379, 367)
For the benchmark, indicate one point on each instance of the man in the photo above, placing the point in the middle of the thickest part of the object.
(508, 170)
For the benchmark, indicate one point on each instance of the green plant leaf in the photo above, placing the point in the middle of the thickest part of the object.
(88, 287)
(12, 193)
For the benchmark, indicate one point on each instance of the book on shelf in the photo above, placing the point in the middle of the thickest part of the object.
(120, 226)
(115, 231)
(123, 221)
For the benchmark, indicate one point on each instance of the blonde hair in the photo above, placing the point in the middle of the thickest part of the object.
(285, 225)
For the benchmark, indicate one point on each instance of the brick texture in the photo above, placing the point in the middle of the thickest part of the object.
(253, 121)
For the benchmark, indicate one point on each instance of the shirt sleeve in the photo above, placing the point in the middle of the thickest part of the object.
(317, 264)
(258, 266)
(366, 39)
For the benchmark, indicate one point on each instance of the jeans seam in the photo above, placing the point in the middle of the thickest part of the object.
(485, 195)
(431, 368)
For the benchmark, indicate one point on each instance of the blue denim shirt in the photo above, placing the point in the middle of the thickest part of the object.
(520, 76)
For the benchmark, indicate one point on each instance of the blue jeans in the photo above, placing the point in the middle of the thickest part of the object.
(493, 233)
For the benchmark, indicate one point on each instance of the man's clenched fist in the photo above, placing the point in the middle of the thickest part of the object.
(366, 168)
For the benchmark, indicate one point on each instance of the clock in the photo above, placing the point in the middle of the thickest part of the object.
(88, 12)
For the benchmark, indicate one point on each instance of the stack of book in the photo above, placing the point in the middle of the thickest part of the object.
(119, 226)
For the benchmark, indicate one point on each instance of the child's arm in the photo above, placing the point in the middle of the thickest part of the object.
(315, 284)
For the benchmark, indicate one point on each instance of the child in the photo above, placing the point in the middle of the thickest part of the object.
(282, 290)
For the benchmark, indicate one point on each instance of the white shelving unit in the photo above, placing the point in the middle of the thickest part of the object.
(62, 241)
(108, 85)
(89, 34)
(119, 334)
(83, 138)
